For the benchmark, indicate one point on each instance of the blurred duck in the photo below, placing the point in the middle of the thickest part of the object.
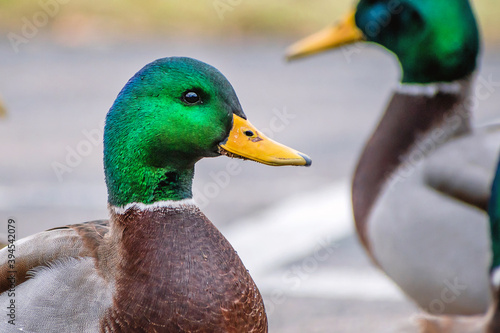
(158, 264)
(422, 184)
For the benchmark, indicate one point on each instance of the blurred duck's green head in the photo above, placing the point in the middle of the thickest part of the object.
(434, 40)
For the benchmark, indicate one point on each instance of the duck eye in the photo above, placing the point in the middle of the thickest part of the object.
(191, 97)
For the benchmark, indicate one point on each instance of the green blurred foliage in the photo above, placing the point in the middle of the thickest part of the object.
(69, 19)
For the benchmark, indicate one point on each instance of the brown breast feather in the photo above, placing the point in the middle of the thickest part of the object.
(179, 274)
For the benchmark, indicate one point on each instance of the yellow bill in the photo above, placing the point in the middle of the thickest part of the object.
(345, 32)
(246, 142)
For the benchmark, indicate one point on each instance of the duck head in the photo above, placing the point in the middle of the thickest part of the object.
(170, 114)
(434, 40)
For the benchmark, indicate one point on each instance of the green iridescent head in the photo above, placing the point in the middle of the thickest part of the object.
(172, 113)
(434, 40)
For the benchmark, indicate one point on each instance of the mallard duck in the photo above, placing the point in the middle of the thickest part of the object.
(158, 264)
(421, 186)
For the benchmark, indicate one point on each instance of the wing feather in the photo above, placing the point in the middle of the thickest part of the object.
(44, 248)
